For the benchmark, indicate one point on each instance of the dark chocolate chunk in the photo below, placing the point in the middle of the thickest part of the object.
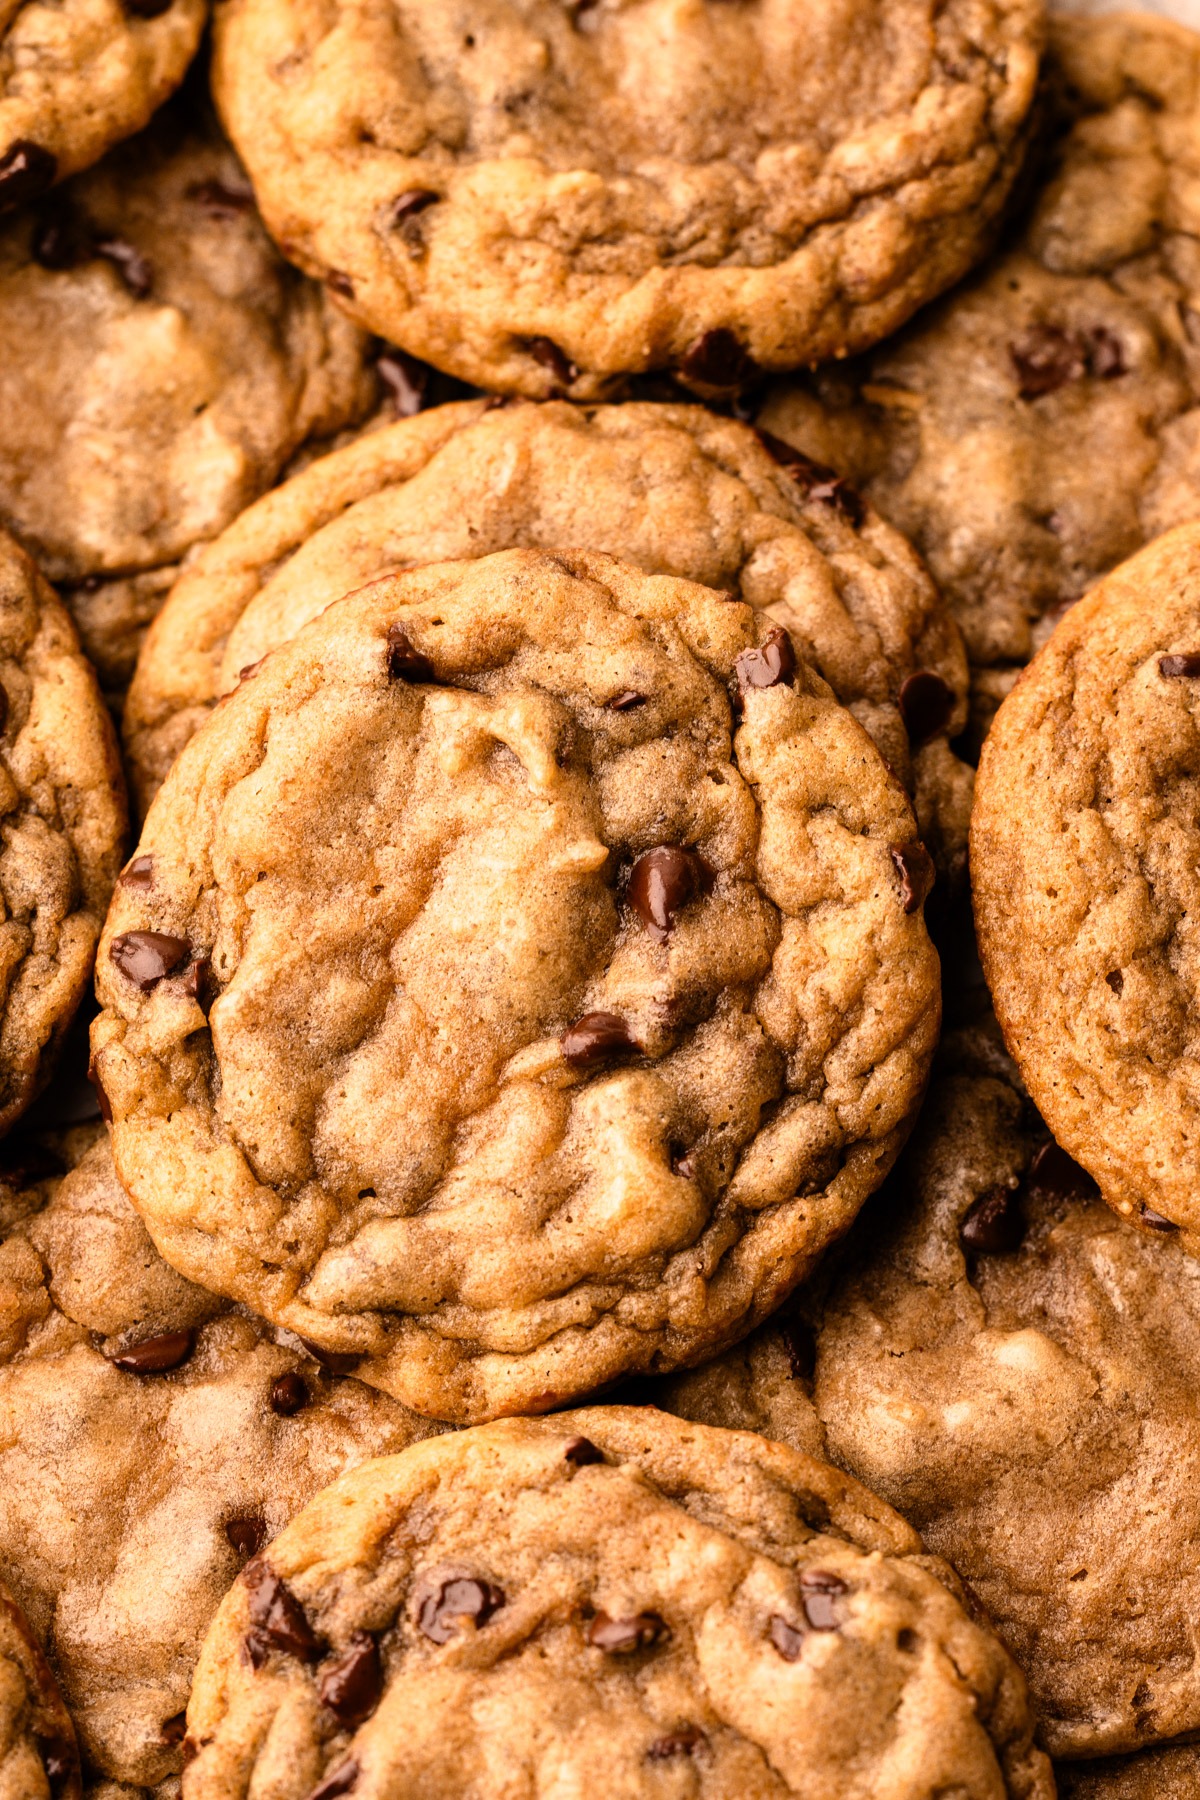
(1055, 1173)
(276, 1616)
(581, 1451)
(248, 671)
(926, 703)
(1106, 354)
(596, 1038)
(411, 202)
(338, 1362)
(620, 1637)
(625, 701)
(994, 1223)
(139, 873)
(289, 1393)
(1116, 981)
(816, 480)
(676, 1743)
(821, 1598)
(772, 664)
(914, 865)
(341, 1780)
(661, 883)
(1157, 1221)
(787, 1638)
(444, 1608)
(717, 359)
(26, 171)
(551, 356)
(146, 957)
(1186, 663)
(102, 1099)
(156, 1355)
(246, 1534)
(340, 283)
(406, 381)
(1046, 358)
(351, 1684)
(404, 661)
(130, 264)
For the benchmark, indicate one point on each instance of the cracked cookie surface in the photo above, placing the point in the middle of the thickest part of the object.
(39, 1758)
(633, 184)
(1043, 422)
(608, 1597)
(675, 490)
(498, 998)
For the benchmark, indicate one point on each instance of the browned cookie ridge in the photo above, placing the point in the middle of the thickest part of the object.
(609, 1599)
(414, 1042)
(542, 198)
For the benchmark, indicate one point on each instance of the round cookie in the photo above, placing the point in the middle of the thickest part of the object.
(1015, 1370)
(497, 996)
(39, 1758)
(159, 364)
(608, 1598)
(151, 1440)
(673, 489)
(632, 184)
(76, 77)
(1084, 855)
(1043, 422)
(62, 826)
(1172, 1774)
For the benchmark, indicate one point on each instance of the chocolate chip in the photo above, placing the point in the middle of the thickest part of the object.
(815, 480)
(821, 1591)
(406, 381)
(443, 1609)
(625, 701)
(276, 1616)
(581, 1451)
(404, 216)
(1106, 357)
(1186, 664)
(350, 1686)
(1116, 981)
(338, 1362)
(773, 664)
(156, 1355)
(26, 171)
(174, 1730)
(550, 355)
(146, 957)
(341, 1780)
(676, 1743)
(596, 1038)
(683, 1162)
(620, 1637)
(289, 1393)
(101, 1097)
(1053, 1172)
(220, 200)
(926, 703)
(914, 865)
(1047, 358)
(246, 1534)
(717, 359)
(787, 1638)
(139, 873)
(130, 265)
(340, 283)
(404, 661)
(248, 671)
(994, 1223)
(1156, 1220)
(661, 883)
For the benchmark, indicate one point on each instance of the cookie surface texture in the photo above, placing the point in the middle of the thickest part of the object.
(520, 1008)
(39, 1758)
(635, 184)
(611, 1596)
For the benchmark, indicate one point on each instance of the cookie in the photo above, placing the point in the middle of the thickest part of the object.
(62, 826)
(1015, 1370)
(75, 78)
(159, 364)
(608, 1596)
(543, 199)
(1172, 1774)
(521, 978)
(39, 1758)
(152, 1439)
(1043, 423)
(1084, 861)
(672, 489)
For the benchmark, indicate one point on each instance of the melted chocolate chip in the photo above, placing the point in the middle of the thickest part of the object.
(1047, 358)
(341, 1780)
(1186, 664)
(26, 171)
(406, 381)
(404, 661)
(581, 1451)
(787, 1638)
(994, 1223)
(220, 200)
(1055, 1173)
(926, 703)
(443, 1609)
(248, 671)
(338, 282)
(288, 1394)
(773, 664)
(130, 264)
(661, 883)
(596, 1038)
(411, 202)
(146, 957)
(717, 359)
(246, 1534)
(1106, 357)
(914, 865)
(102, 1099)
(676, 1743)
(683, 1162)
(350, 1686)
(338, 1362)
(139, 873)
(550, 355)
(156, 1355)
(821, 1592)
(276, 1616)
(625, 701)
(1157, 1221)
(815, 480)
(620, 1637)
(174, 1730)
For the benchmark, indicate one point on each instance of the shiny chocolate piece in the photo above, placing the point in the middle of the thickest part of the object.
(661, 883)
(676, 1743)
(444, 1609)
(773, 664)
(914, 865)
(596, 1038)
(926, 703)
(1053, 1172)
(717, 359)
(147, 957)
(994, 1223)
(625, 701)
(406, 381)
(289, 1393)
(1156, 1221)
(350, 1685)
(156, 1355)
(1184, 663)
(621, 1637)
(246, 1534)
(815, 480)
(551, 356)
(139, 873)
(277, 1619)
(26, 171)
(404, 661)
(787, 1638)
(821, 1598)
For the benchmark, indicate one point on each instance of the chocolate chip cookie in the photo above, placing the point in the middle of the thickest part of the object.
(78, 76)
(39, 1758)
(1084, 859)
(159, 363)
(152, 1440)
(609, 1598)
(62, 826)
(543, 198)
(1015, 1370)
(673, 489)
(520, 979)
(1044, 422)
(1172, 1774)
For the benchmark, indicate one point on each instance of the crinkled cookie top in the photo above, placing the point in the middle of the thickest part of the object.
(521, 978)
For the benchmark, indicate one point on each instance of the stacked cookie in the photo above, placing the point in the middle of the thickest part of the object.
(481, 1331)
